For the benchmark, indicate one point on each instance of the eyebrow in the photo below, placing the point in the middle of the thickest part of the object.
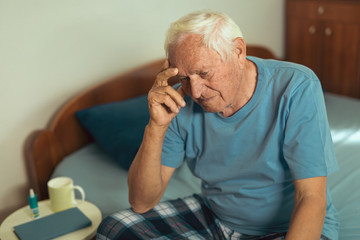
(196, 72)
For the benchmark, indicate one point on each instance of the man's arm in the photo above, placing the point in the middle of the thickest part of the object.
(147, 178)
(308, 216)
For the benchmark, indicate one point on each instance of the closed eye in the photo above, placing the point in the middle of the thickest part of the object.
(186, 78)
(182, 79)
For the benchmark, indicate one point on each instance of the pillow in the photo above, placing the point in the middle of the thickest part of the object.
(117, 127)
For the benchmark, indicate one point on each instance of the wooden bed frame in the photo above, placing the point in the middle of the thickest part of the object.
(45, 148)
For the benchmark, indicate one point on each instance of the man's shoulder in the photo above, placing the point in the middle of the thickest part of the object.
(280, 65)
(274, 66)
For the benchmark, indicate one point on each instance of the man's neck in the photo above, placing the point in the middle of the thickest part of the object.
(247, 88)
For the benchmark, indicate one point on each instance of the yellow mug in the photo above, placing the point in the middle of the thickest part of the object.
(61, 193)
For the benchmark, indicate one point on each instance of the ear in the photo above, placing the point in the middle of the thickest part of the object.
(240, 49)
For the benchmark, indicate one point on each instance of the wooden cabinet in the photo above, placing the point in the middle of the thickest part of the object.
(325, 36)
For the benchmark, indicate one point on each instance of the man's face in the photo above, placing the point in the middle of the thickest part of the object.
(209, 81)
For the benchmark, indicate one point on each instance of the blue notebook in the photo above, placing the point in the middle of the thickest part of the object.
(53, 225)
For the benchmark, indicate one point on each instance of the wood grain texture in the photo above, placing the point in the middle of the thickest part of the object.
(325, 36)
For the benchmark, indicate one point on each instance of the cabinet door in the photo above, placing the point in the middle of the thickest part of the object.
(341, 58)
(303, 43)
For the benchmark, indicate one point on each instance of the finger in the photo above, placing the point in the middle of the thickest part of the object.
(163, 77)
(174, 95)
(165, 65)
(171, 105)
(182, 94)
(177, 95)
(181, 91)
(166, 101)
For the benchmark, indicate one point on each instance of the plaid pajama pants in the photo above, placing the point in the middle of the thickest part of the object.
(186, 218)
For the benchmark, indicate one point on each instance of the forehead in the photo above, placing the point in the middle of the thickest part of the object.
(191, 53)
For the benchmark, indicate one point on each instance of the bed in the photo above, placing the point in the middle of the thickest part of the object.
(67, 147)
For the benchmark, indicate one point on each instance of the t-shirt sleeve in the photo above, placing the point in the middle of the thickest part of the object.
(308, 147)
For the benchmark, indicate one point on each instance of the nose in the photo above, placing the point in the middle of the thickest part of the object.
(196, 87)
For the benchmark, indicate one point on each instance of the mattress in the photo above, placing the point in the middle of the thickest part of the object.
(89, 165)
(344, 120)
(105, 183)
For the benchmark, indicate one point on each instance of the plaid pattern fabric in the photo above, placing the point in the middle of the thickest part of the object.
(187, 218)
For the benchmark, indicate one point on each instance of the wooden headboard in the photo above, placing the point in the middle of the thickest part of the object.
(46, 148)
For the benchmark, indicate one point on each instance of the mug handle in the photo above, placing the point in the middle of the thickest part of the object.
(82, 192)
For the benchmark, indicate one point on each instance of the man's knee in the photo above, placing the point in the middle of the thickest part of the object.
(119, 224)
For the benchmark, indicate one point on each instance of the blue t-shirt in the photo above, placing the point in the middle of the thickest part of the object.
(247, 162)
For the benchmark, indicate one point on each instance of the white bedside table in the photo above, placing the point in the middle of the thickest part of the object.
(23, 215)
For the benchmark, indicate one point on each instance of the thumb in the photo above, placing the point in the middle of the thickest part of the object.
(181, 91)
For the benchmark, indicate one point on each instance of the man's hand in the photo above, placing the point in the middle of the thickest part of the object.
(164, 101)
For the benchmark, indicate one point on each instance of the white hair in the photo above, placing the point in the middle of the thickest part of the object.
(217, 29)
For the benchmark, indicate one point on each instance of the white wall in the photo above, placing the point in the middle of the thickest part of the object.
(50, 50)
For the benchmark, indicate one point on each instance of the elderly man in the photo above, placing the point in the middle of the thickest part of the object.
(254, 131)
